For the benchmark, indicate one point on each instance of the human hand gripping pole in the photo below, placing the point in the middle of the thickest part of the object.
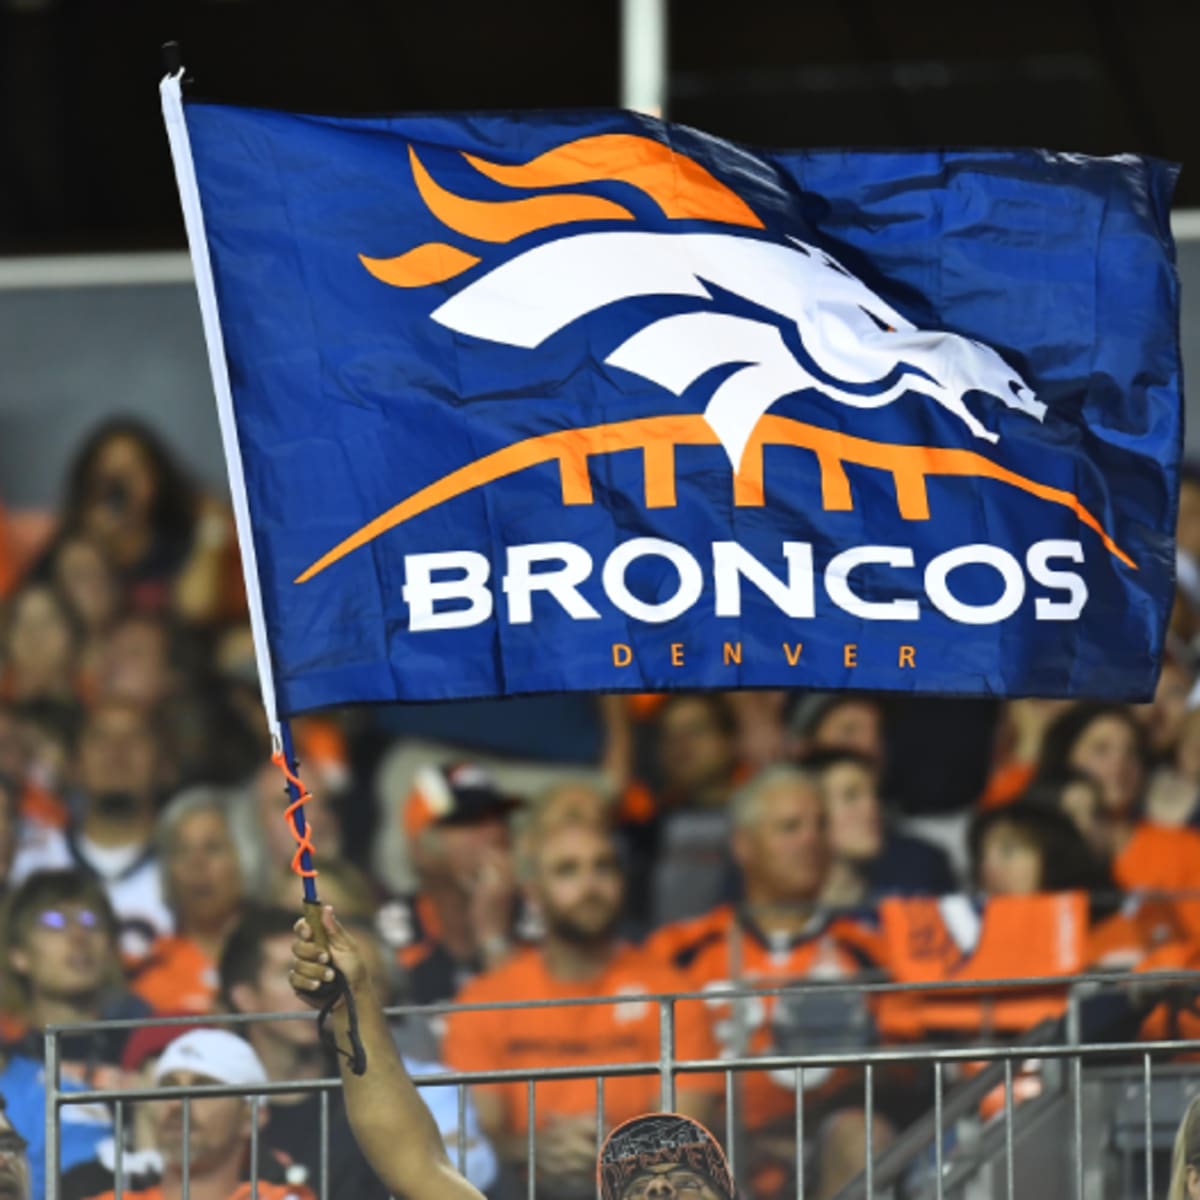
(332, 989)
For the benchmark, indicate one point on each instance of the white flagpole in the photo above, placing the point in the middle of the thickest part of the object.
(193, 218)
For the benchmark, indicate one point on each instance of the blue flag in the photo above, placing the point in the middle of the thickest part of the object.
(576, 402)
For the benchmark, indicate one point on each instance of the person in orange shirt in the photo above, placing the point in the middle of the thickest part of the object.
(218, 1143)
(575, 877)
(202, 883)
(783, 935)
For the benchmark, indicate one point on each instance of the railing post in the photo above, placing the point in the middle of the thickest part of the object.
(53, 1152)
(666, 1051)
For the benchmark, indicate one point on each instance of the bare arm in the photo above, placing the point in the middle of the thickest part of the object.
(393, 1127)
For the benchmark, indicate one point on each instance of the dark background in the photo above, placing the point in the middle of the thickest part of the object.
(84, 165)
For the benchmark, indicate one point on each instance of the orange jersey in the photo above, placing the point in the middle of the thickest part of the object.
(528, 1039)
(1143, 926)
(1159, 858)
(266, 1191)
(1173, 1020)
(176, 977)
(951, 939)
(724, 950)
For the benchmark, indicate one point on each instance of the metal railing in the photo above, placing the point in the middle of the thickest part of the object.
(885, 1173)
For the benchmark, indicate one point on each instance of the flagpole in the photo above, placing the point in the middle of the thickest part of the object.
(193, 217)
(644, 56)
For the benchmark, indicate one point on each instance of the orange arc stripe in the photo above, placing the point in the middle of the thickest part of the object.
(504, 220)
(433, 262)
(679, 185)
(573, 445)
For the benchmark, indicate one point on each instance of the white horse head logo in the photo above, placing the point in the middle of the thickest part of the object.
(861, 351)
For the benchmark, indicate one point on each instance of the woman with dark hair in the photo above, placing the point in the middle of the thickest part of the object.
(169, 542)
(1106, 743)
(1025, 847)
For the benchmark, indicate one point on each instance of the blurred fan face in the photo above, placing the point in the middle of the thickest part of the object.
(784, 855)
(135, 667)
(1010, 863)
(1107, 751)
(14, 1165)
(578, 884)
(86, 579)
(219, 1126)
(852, 810)
(853, 725)
(204, 880)
(40, 641)
(694, 750)
(1163, 717)
(122, 487)
(464, 847)
(66, 952)
(667, 1181)
(117, 754)
(272, 993)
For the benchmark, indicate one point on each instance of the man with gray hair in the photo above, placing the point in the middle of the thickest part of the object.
(780, 934)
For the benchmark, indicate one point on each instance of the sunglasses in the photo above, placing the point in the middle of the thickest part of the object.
(58, 919)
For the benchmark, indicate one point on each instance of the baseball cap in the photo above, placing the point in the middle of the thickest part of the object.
(150, 1040)
(214, 1053)
(659, 1139)
(454, 794)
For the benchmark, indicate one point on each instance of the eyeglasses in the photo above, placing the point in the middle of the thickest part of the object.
(59, 919)
(12, 1144)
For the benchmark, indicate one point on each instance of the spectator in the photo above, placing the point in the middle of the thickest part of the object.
(119, 770)
(575, 879)
(697, 751)
(40, 646)
(43, 813)
(202, 881)
(78, 566)
(782, 935)
(62, 968)
(1106, 742)
(1185, 1161)
(173, 547)
(14, 1163)
(839, 721)
(467, 915)
(1023, 848)
(869, 859)
(253, 972)
(1076, 794)
(140, 661)
(140, 1159)
(1163, 717)
(217, 1148)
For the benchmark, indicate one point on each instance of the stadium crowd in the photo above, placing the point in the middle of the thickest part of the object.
(542, 849)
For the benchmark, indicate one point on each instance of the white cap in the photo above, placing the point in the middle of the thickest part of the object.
(214, 1053)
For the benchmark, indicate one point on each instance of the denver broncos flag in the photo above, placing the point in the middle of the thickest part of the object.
(552, 402)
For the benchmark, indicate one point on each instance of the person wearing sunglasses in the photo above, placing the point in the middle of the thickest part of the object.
(60, 965)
